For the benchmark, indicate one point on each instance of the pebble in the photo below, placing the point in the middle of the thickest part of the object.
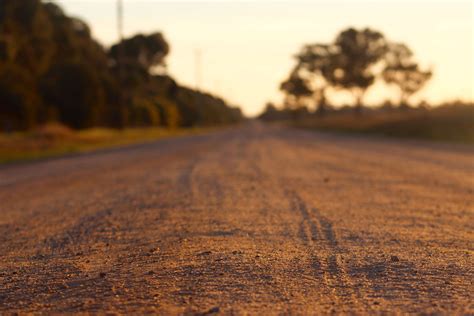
(212, 310)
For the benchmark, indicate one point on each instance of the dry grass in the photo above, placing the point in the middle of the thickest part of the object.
(455, 123)
(56, 140)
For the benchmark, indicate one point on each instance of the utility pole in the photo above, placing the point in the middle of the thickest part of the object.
(120, 60)
(120, 19)
(197, 64)
(120, 32)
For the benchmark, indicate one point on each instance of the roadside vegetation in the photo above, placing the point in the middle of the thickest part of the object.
(53, 70)
(63, 92)
(54, 140)
(353, 63)
(445, 123)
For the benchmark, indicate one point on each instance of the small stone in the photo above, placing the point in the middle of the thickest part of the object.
(394, 259)
(102, 274)
(151, 272)
(213, 310)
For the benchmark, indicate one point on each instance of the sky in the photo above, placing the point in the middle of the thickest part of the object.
(242, 50)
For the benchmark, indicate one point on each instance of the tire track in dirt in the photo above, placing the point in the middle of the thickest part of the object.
(189, 278)
(184, 182)
(238, 177)
(97, 227)
(188, 180)
(327, 260)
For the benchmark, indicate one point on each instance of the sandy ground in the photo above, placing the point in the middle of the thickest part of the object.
(253, 220)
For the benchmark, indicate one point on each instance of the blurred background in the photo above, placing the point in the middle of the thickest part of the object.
(249, 53)
(108, 72)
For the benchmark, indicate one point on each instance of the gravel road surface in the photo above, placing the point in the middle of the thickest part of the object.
(250, 220)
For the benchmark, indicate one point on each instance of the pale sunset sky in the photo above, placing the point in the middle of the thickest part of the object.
(247, 46)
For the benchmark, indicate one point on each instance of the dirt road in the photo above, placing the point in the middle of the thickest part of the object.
(257, 220)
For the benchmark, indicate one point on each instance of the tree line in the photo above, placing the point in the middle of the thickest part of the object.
(52, 69)
(353, 62)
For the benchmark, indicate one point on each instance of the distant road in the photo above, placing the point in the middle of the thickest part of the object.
(259, 220)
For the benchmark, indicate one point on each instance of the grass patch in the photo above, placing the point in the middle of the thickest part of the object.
(57, 140)
(453, 124)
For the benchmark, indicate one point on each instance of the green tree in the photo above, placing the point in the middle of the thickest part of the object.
(316, 63)
(19, 101)
(144, 113)
(402, 71)
(296, 89)
(75, 90)
(354, 65)
(26, 35)
(146, 51)
(168, 111)
(52, 68)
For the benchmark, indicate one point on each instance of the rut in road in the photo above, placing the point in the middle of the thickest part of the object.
(318, 235)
